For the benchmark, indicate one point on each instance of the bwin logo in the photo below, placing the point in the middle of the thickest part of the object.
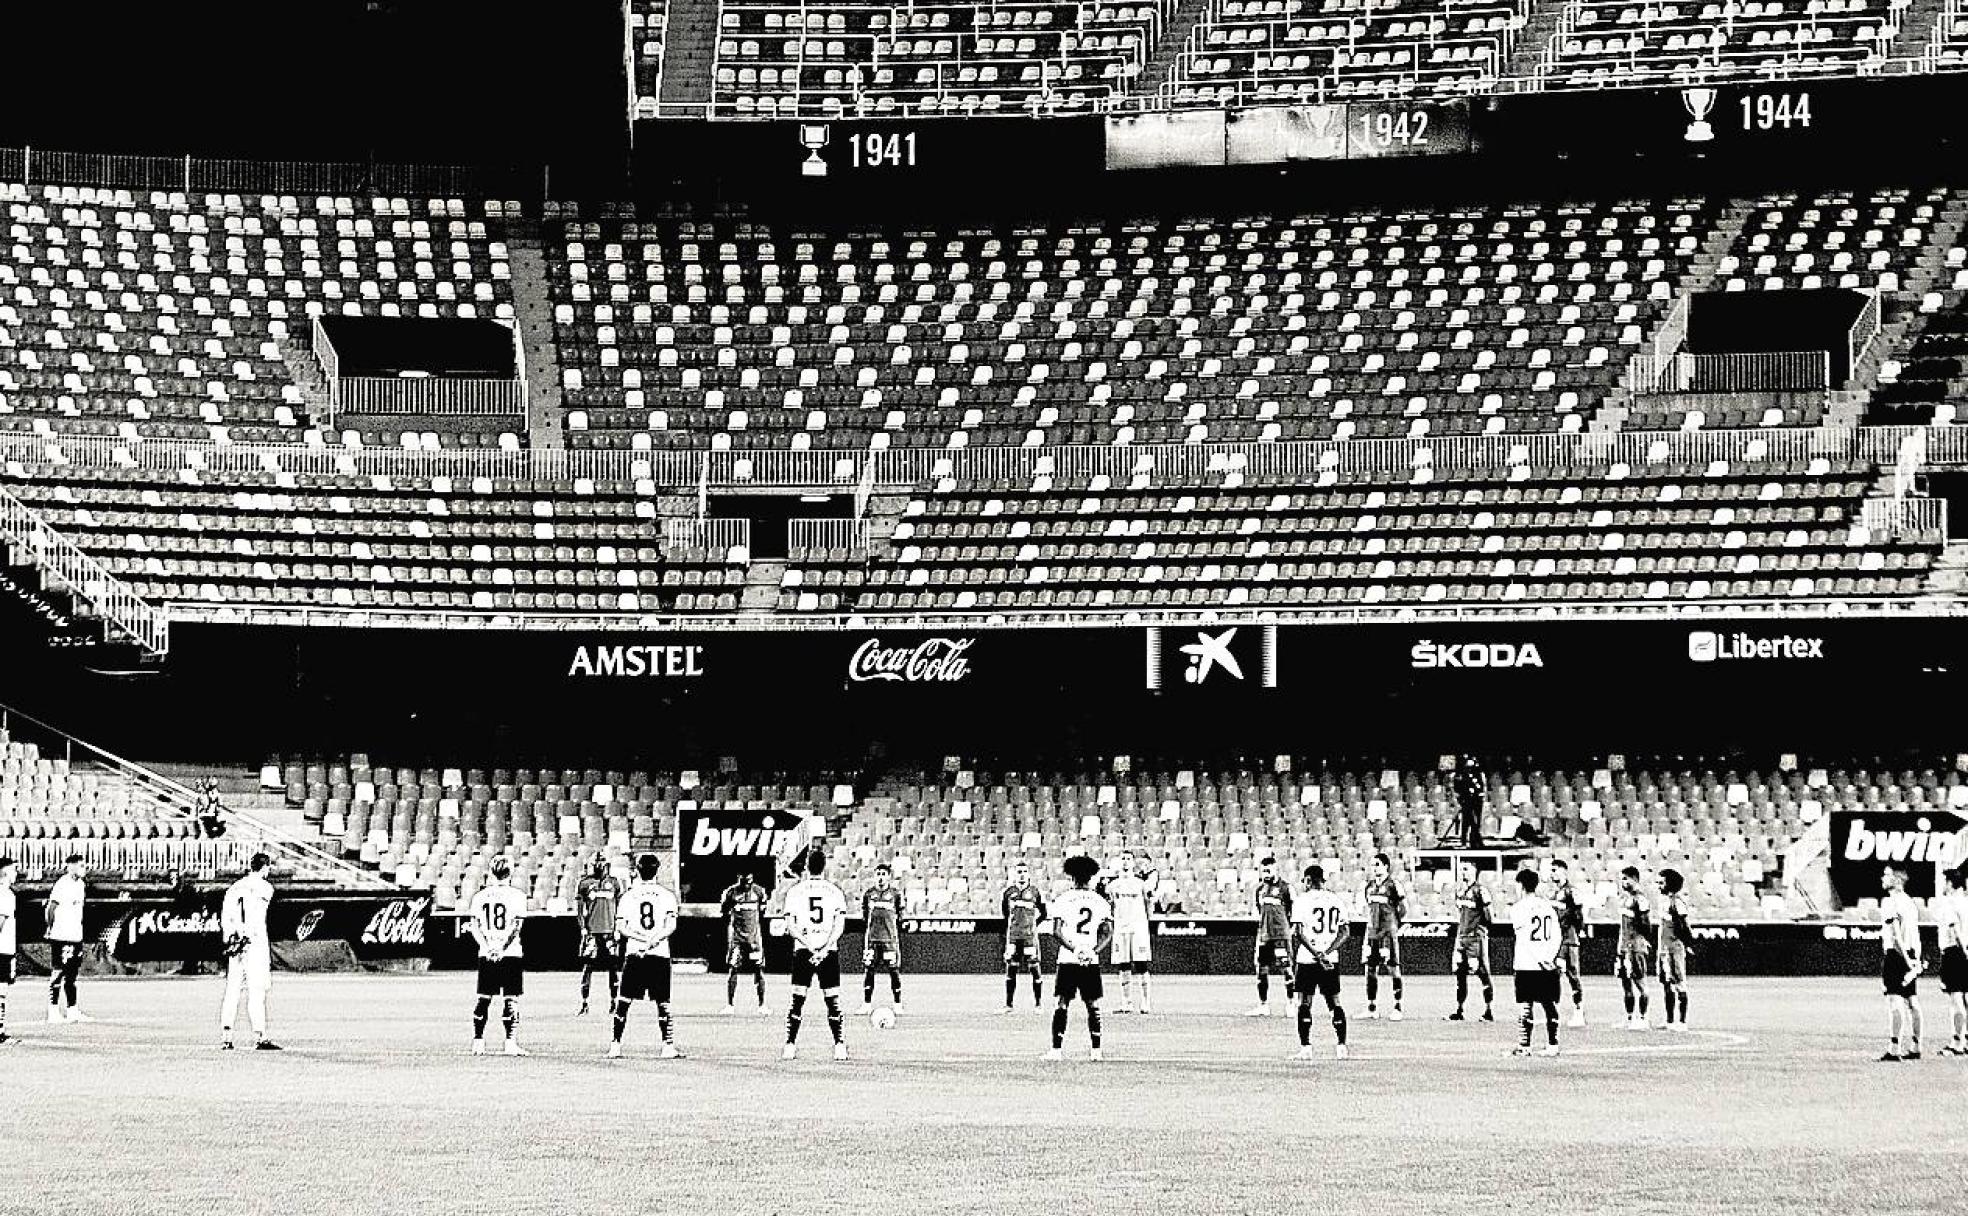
(1427, 654)
(1923, 844)
(1210, 652)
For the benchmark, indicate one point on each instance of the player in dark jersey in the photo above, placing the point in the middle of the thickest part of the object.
(881, 920)
(1024, 909)
(1274, 935)
(1634, 960)
(596, 898)
(1387, 907)
(1677, 941)
(743, 907)
(1571, 927)
(1472, 943)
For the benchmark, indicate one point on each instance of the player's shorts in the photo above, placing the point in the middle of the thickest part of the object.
(883, 954)
(600, 947)
(1274, 955)
(1536, 987)
(6, 969)
(507, 977)
(1022, 953)
(62, 955)
(1568, 958)
(806, 970)
(1133, 946)
(1475, 947)
(1634, 963)
(1317, 977)
(1674, 964)
(1383, 950)
(646, 978)
(745, 956)
(1898, 975)
(1078, 982)
(1954, 969)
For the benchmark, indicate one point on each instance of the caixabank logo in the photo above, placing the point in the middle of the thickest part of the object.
(1217, 657)
(1715, 646)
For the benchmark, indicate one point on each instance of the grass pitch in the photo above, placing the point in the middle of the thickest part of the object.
(1773, 1105)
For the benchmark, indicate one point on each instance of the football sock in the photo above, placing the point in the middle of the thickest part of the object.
(3, 1011)
(1373, 986)
(664, 1023)
(1038, 986)
(758, 982)
(1626, 994)
(1551, 1022)
(1397, 987)
(731, 987)
(1913, 1024)
(1578, 988)
(1640, 991)
(480, 1013)
(512, 1016)
(614, 981)
(895, 983)
(1667, 999)
(868, 987)
(1011, 985)
(1682, 996)
(793, 1017)
(1523, 1026)
(587, 980)
(1489, 990)
(1058, 1027)
(621, 1018)
(1305, 1023)
(1263, 986)
(1338, 1020)
(1093, 1022)
(1462, 988)
(1143, 979)
(833, 1014)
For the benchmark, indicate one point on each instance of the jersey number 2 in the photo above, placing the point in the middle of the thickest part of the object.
(1086, 920)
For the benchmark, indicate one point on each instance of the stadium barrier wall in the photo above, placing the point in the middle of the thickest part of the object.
(965, 946)
(153, 929)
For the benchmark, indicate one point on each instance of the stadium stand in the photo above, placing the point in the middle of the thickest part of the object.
(778, 59)
(173, 315)
(648, 25)
(1280, 51)
(1616, 43)
(1924, 386)
(1309, 327)
(954, 837)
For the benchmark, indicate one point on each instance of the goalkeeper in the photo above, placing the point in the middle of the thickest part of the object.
(249, 952)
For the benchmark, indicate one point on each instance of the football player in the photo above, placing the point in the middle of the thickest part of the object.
(743, 905)
(1534, 923)
(497, 914)
(1024, 908)
(1675, 945)
(816, 915)
(1083, 921)
(1634, 959)
(1471, 951)
(1320, 925)
(1899, 937)
(596, 898)
(1133, 950)
(1274, 935)
(1387, 907)
(881, 918)
(249, 952)
(645, 921)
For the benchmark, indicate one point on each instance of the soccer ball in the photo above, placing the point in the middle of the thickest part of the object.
(882, 1019)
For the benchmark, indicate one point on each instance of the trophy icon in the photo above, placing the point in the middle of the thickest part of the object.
(1698, 103)
(813, 137)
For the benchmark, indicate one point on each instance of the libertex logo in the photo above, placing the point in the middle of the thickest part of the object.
(1708, 646)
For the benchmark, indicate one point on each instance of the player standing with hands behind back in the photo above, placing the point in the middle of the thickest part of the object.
(1320, 924)
(1899, 934)
(647, 918)
(1535, 922)
(816, 916)
(497, 914)
(1083, 922)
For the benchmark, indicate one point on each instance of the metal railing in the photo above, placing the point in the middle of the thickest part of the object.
(702, 472)
(1746, 372)
(724, 538)
(1864, 328)
(106, 597)
(824, 535)
(657, 622)
(437, 396)
(45, 167)
(1910, 517)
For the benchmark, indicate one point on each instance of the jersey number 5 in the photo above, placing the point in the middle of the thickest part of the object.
(817, 909)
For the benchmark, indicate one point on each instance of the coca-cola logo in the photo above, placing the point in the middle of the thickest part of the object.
(400, 922)
(930, 661)
(309, 924)
(147, 924)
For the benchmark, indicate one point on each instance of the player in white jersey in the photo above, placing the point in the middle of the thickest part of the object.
(498, 912)
(66, 907)
(1083, 922)
(1539, 940)
(1320, 926)
(1952, 911)
(1128, 892)
(249, 952)
(816, 916)
(1899, 937)
(645, 918)
(9, 940)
